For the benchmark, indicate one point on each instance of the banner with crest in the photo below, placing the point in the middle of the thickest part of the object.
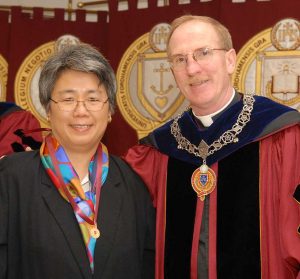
(269, 64)
(38, 38)
(265, 35)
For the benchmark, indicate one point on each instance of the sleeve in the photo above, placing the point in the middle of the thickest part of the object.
(280, 176)
(3, 221)
(290, 179)
(10, 142)
(150, 165)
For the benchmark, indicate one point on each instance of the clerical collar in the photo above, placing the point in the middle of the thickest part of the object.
(207, 120)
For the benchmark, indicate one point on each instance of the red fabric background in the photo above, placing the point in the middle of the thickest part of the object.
(25, 33)
(4, 34)
(29, 32)
(4, 31)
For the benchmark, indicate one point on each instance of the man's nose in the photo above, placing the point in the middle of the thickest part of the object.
(192, 66)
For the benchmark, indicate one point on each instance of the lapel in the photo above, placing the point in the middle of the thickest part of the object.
(111, 201)
(66, 221)
(108, 216)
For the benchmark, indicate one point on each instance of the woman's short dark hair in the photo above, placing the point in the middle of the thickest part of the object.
(83, 58)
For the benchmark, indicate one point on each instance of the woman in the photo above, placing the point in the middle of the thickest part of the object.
(53, 221)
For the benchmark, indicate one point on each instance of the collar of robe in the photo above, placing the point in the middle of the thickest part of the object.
(264, 112)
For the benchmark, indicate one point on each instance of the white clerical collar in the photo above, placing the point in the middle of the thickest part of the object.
(207, 120)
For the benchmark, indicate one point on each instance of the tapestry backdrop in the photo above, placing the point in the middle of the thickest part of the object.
(27, 39)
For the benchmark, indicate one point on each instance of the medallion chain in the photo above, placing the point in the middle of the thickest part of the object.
(203, 150)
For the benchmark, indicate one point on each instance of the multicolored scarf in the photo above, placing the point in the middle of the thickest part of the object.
(66, 180)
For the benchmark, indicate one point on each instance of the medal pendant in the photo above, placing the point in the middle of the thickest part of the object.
(203, 181)
(94, 232)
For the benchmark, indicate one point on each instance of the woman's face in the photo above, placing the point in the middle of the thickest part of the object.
(79, 129)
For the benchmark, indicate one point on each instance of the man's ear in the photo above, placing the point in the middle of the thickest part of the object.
(230, 61)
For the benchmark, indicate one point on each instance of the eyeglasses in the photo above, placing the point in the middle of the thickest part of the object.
(70, 104)
(178, 62)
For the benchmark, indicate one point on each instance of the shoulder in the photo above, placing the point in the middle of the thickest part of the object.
(117, 164)
(19, 118)
(8, 108)
(18, 171)
(274, 107)
(275, 116)
(16, 113)
(143, 158)
(144, 150)
(285, 142)
(20, 161)
(128, 177)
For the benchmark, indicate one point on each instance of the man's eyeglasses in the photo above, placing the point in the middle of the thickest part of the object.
(179, 61)
(91, 104)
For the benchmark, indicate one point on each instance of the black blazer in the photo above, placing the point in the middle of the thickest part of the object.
(40, 237)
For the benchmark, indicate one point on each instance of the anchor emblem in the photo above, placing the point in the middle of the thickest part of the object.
(161, 100)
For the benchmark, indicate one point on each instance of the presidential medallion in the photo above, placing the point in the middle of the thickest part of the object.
(203, 181)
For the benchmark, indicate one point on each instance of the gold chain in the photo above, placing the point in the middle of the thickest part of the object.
(203, 150)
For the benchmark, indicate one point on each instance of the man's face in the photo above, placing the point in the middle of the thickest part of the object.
(206, 83)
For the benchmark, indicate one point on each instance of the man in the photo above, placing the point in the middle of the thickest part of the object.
(224, 174)
(13, 121)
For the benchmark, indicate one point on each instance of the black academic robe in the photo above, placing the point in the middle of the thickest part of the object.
(41, 239)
